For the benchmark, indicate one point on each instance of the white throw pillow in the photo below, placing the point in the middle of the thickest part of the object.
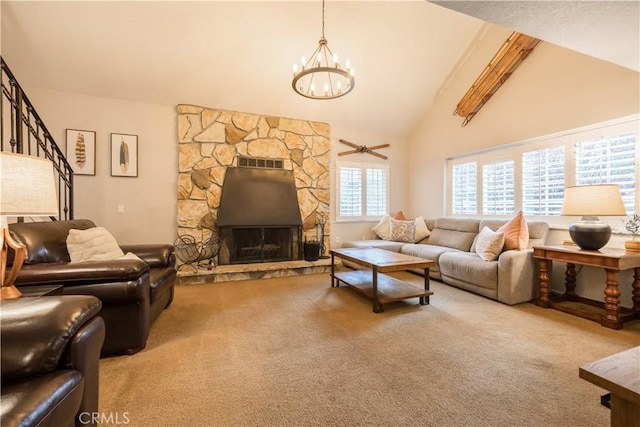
(403, 231)
(383, 228)
(422, 231)
(92, 244)
(489, 244)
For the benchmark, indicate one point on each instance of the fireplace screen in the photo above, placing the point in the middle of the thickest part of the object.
(261, 244)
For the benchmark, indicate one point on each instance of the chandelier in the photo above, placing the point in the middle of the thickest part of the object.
(322, 77)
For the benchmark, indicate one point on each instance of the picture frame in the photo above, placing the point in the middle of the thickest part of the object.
(124, 155)
(81, 151)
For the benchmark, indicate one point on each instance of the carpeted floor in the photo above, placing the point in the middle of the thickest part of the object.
(296, 352)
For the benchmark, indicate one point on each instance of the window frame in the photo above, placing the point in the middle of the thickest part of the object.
(628, 124)
(363, 166)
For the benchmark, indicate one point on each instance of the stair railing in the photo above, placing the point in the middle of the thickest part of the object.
(23, 131)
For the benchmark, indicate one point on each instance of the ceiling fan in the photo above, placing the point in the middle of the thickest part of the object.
(363, 149)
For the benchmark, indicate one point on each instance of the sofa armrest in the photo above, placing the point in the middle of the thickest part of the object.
(156, 255)
(84, 356)
(36, 332)
(516, 276)
(78, 273)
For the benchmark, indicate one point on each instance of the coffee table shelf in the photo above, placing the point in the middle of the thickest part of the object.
(389, 289)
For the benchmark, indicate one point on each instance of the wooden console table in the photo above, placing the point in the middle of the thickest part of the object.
(620, 375)
(608, 313)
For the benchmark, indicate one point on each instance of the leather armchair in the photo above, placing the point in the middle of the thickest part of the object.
(133, 292)
(50, 360)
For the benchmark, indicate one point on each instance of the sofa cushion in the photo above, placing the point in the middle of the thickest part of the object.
(429, 251)
(45, 400)
(516, 233)
(422, 231)
(383, 228)
(93, 244)
(457, 233)
(470, 268)
(538, 230)
(402, 231)
(489, 244)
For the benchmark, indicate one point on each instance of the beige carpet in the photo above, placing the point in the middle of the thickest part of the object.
(296, 352)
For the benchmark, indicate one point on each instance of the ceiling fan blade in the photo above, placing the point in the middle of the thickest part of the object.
(344, 153)
(350, 144)
(375, 147)
(377, 154)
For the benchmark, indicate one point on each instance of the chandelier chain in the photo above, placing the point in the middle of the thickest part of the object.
(323, 19)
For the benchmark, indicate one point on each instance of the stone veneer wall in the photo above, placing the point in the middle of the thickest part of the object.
(210, 141)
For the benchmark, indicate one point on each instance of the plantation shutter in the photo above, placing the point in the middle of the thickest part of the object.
(498, 188)
(543, 181)
(609, 160)
(376, 195)
(350, 192)
(464, 188)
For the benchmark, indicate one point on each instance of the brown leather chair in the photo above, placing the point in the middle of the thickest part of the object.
(133, 292)
(50, 360)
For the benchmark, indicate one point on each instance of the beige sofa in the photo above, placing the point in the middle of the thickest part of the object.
(510, 279)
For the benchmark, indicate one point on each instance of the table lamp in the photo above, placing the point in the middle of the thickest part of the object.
(590, 202)
(27, 188)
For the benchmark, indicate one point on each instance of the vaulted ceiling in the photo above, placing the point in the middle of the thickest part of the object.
(238, 55)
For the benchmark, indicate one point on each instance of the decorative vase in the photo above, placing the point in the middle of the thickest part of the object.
(632, 245)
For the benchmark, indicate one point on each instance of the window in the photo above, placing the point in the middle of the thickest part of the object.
(498, 188)
(531, 176)
(363, 191)
(543, 181)
(464, 188)
(609, 160)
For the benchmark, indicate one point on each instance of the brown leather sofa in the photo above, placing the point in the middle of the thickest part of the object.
(50, 360)
(133, 292)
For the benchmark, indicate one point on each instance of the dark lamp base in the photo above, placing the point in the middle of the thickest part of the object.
(589, 235)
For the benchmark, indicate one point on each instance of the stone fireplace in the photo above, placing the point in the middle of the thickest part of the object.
(255, 183)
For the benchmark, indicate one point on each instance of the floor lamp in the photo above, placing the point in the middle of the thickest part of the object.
(27, 189)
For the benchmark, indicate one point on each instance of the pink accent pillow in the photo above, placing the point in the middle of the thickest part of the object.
(516, 233)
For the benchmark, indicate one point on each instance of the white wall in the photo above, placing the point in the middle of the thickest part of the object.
(150, 199)
(555, 89)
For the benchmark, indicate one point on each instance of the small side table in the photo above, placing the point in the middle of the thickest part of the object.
(40, 290)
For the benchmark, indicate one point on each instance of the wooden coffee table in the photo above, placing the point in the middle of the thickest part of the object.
(375, 285)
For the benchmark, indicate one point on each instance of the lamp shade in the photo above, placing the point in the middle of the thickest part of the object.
(27, 186)
(593, 200)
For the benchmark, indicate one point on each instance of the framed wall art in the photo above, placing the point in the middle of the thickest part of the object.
(124, 155)
(81, 151)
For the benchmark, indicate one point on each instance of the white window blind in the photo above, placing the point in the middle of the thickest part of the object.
(376, 192)
(464, 177)
(543, 181)
(363, 191)
(609, 160)
(497, 188)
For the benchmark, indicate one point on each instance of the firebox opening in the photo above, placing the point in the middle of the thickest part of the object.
(263, 244)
